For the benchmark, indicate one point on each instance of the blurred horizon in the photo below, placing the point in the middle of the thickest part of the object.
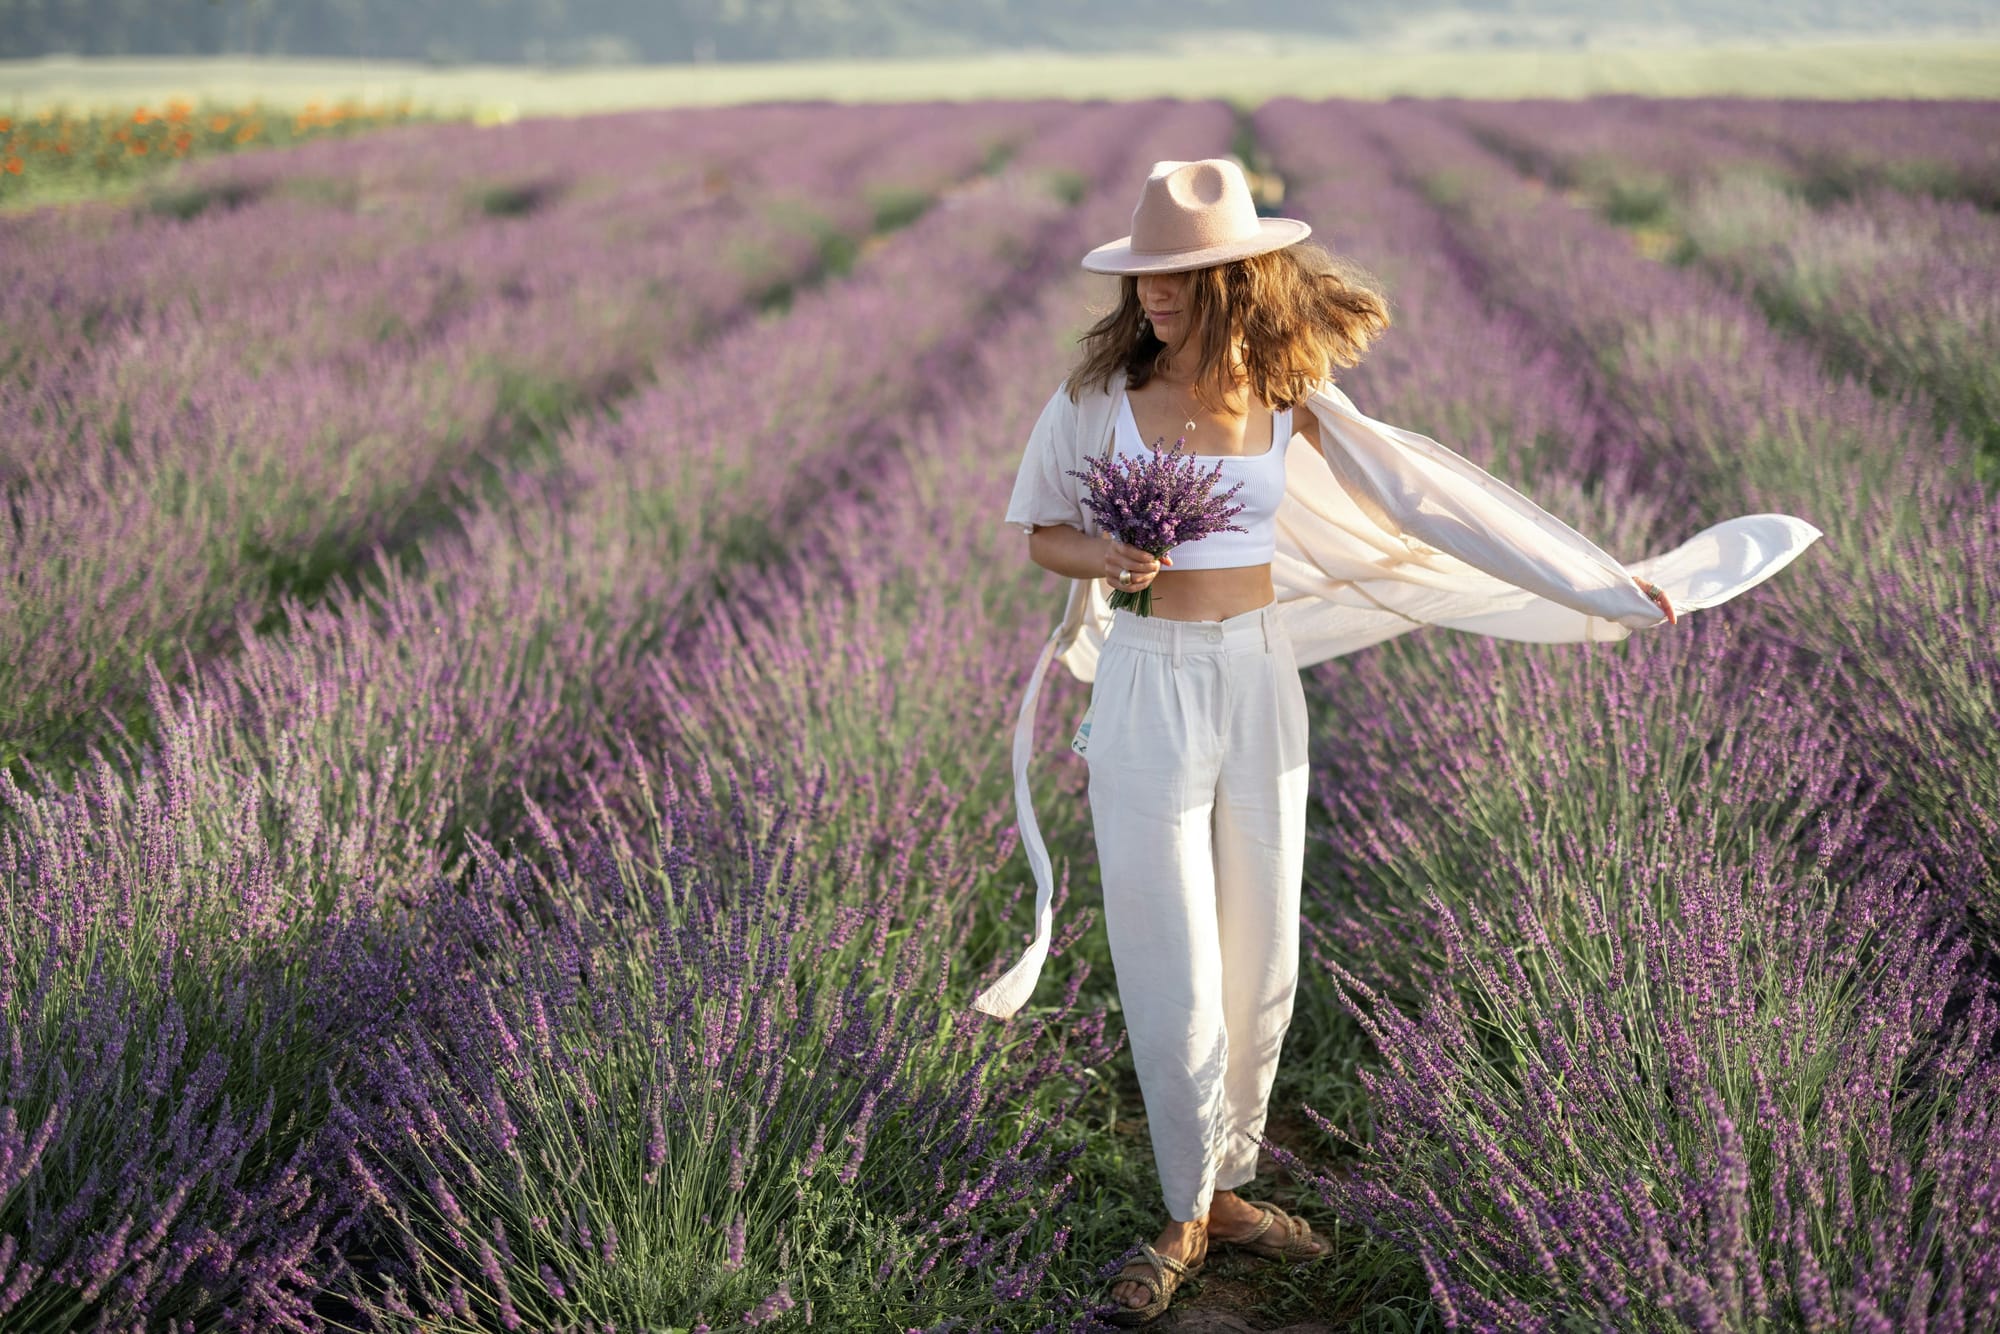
(497, 60)
(629, 32)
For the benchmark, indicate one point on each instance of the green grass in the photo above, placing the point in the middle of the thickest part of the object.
(1845, 68)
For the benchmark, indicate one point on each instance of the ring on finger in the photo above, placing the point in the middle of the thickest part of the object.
(1124, 576)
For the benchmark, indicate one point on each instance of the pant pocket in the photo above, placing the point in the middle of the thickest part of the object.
(1109, 691)
(1293, 714)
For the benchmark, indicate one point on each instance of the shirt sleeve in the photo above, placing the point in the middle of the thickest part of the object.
(1436, 501)
(1042, 493)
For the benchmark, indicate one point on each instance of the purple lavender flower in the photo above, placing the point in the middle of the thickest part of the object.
(1156, 504)
(772, 1306)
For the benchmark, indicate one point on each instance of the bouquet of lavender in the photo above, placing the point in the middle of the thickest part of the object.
(1156, 503)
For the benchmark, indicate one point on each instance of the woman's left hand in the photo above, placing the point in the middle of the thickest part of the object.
(1659, 597)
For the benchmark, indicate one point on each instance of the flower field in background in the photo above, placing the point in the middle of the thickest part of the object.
(56, 152)
(1869, 230)
(507, 652)
(422, 333)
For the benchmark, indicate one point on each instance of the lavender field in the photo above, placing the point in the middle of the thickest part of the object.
(507, 657)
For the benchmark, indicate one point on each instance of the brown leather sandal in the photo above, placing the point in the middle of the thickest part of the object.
(1279, 1236)
(1165, 1278)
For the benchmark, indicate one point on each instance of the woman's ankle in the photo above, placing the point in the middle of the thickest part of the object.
(1230, 1212)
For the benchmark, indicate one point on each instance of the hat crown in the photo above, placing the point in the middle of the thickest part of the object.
(1193, 215)
(1193, 205)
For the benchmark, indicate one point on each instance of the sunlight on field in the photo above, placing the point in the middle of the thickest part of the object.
(514, 654)
(1830, 69)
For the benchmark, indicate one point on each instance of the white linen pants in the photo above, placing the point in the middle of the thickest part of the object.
(1197, 755)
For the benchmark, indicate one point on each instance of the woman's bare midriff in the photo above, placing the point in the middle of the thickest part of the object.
(1211, 595)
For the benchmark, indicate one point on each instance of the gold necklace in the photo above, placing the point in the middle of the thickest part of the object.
(1187, 427)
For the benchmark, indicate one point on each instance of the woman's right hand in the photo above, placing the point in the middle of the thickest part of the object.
(1144, 565)
(1659, 597)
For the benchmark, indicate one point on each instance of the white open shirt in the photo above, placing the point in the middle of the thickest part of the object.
(1380, 531)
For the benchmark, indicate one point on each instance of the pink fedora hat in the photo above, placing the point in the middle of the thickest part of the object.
(1192, 215)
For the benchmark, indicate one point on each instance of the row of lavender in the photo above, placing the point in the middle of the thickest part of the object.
(1749, 418)
(1893, 280)
(1663, 948)
(213, 958)
(1949, 149)
(1823, 150)
(203, 415)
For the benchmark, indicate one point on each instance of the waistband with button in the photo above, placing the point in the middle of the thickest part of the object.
(1248, 631)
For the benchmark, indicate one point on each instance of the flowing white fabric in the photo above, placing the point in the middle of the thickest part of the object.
(1014, 986)
(1381, 530)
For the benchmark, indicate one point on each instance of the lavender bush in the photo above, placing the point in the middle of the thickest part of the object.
(1895, 289)
(653, 1086)
(173, 1022)
(1672, 1002)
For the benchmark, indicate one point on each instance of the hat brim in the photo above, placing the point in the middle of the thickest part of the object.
(1119, 257)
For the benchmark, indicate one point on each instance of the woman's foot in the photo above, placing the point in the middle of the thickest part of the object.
(1263, 1229)
(1186, 1242)
(1230, 1216)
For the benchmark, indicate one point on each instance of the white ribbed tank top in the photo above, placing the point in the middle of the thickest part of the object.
(1263, 478)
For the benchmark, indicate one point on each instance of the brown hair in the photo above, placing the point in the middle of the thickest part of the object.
(1299, 311)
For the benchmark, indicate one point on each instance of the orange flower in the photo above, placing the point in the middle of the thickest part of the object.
(140, 147)
(5, 125)
(177, 110)
(182, 141)
(141, 116)
(246, 134)
(13, 166)
(217, 124)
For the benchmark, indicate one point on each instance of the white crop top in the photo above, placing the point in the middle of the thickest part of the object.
(1263, 478)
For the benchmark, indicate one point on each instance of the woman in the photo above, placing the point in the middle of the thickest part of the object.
(1226, 331)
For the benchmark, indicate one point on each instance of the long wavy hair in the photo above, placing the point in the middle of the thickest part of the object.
(1298, 310)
